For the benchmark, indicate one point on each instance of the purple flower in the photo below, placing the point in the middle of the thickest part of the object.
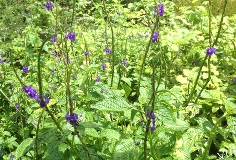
(138, 143)
(154, 37)
(3, 54)
(153, 116)
(30, 91)
(86, 53)
(25, 69)
(98, 79)
(54, 38)
(70, 36)
(148, 114)
(104, 66)
(53, 70)
(153, 128)
(141, 121)
(161, 9)
(125, 63)
(108, 51)
(12, 157)
(235, 80)
(44, 102)
(155, 11)
(49, 5)
(72, 118)
(1, 60)
(0, 151)
(210, 51)
(17, 106)
(101, 91)
(8, 61)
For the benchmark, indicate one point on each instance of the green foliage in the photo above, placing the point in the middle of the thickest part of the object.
(112, 103)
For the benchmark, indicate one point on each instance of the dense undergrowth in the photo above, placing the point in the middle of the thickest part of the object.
(117, 80)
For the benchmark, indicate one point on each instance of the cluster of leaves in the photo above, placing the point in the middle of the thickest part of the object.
(112, 111)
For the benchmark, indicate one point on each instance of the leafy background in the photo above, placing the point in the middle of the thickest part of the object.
(112, 120)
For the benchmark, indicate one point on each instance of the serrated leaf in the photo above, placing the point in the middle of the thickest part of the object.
(230, 107)
(23, 147)
(125, 150)
(112, 104)
(90, 124)
(110, 134)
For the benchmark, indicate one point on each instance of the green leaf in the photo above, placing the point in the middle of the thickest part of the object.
(90, 124)
(24, 147)
(125, 150)
(110, 134)
(112, 104)
(127, 89)
(230, 107)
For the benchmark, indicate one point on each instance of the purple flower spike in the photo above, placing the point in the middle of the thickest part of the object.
(138, 143)
(3, 54)
(148, 114)
(210, 51)
(49, 5)
(98, 79)
(153, 116)
(12, 157)
(104, 66)
(25, 69)
(54, 38)
(1, 60)
(155, 37)
(155, 11)
(30, 91)
(153, 128)
(17, 106)
(161, 9)
(108, 51)
(86, 53)
(41, 103)
(72, 118)
(70, 36)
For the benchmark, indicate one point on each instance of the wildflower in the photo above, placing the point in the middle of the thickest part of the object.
(30, 91)
(98, 79)
(8, 61)
(0, 151)
(153, 116)
(148, 114)
(72, 118)
(86, 53)
(210, 51)
(12, 157)
(17, 106)
(154, 37)
(161, 9)
(153, 128)
(1, 60)
(108, 51)
(70, 36)
(54, 38)
(125, 63)
(49, 5)
(101, 91)
(25, 69)
(44, 102)
(235, 80)
(155, 11)
(141, 121)
(104, 66)
(3, 54)
(53, 70)
(138, 143)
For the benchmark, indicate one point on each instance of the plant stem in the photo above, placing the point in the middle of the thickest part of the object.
(152, 109)
(113, 43)
(145, 55)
